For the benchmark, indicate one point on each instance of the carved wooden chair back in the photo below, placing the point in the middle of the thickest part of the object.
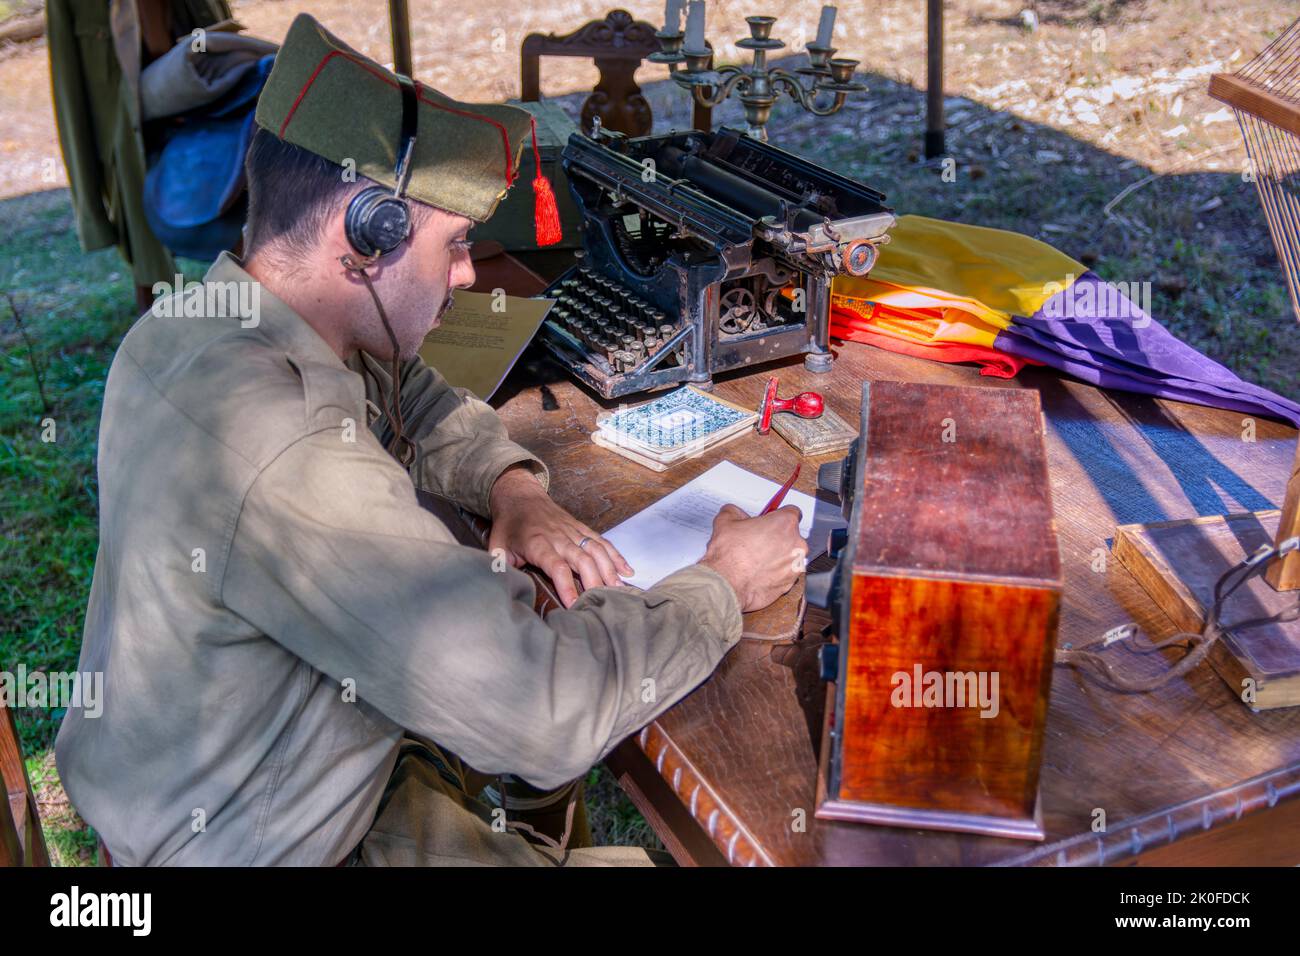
(618, 44)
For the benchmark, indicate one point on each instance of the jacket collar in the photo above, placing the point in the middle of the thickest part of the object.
(287, 330)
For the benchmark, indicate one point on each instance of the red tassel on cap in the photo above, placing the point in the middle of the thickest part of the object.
(546, 214)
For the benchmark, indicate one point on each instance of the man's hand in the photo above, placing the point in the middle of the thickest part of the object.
(533, 529)
(760, 557)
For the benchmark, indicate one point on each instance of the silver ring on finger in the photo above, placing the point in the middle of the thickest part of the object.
(583, 542)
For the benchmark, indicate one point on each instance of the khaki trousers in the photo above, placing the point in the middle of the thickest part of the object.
(431, 814)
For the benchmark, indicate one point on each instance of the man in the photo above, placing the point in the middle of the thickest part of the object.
(271, 607)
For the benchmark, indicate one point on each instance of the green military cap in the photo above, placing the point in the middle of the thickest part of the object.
(330, 100)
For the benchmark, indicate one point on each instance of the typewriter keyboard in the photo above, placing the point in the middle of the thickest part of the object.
(609, 320)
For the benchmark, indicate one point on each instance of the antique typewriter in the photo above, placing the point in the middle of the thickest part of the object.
(702, 252)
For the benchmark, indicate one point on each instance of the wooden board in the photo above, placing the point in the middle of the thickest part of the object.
(1178, 562)
(1244, 95)
(1284, 575)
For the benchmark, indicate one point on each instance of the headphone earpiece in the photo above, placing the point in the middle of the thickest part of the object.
(377, 222)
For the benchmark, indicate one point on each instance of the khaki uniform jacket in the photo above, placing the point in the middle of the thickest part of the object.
(271, 607)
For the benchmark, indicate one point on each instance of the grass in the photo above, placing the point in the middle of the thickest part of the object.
(613, 819)
(1199, 239)
(75, 308)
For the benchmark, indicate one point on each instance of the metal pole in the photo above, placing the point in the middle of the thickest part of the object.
(399, 24)
(934, 79)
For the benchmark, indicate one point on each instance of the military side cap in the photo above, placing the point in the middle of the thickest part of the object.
(327, 98)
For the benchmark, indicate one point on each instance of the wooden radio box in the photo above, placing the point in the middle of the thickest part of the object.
(945, 605)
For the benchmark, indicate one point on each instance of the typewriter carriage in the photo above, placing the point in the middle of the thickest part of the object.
(702, 253)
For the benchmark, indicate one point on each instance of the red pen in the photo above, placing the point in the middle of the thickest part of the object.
(780, 495)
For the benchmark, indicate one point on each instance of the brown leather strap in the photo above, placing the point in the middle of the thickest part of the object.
(560, 845)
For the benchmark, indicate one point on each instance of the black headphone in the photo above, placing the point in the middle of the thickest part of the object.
(378, 220)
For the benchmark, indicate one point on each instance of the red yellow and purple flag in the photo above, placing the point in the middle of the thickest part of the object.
(959, 293)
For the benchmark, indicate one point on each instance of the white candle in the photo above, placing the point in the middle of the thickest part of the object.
(695, 27)
(673, 16)
(827, 26)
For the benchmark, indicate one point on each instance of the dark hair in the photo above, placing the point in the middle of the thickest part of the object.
(291, 194)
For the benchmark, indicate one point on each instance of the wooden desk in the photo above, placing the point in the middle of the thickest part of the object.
(1185, 775)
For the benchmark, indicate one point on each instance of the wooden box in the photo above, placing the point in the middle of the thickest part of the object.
(948, 591)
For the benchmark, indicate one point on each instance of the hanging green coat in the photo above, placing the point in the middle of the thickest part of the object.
(95, 62)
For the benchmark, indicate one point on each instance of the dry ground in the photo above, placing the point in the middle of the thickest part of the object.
(1128, 76)
(1092, 131)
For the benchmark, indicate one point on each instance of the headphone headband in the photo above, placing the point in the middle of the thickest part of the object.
(406, 146)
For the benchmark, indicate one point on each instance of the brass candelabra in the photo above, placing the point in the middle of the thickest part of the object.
(758, 85)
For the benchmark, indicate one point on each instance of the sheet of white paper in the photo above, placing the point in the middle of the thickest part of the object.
(674, 531)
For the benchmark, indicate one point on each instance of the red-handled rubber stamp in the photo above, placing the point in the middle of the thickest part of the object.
(805, 405)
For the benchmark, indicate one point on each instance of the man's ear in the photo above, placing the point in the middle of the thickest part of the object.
(335, 238)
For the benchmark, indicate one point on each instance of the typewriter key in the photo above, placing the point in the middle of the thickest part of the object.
(666, 330)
